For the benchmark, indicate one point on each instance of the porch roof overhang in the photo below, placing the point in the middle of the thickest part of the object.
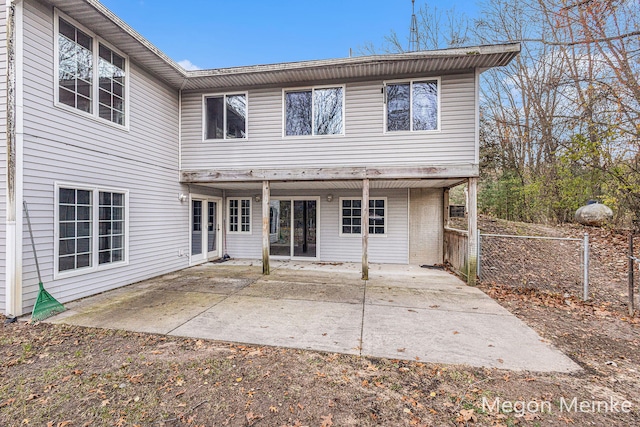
(109, 26)
(328, 178)
(381, 184)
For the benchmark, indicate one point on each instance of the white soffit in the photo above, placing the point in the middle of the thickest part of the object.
(109, 26)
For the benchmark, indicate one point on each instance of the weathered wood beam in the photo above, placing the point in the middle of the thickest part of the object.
(365, 229)
(472, 213)
(195, 176)
(266, 196)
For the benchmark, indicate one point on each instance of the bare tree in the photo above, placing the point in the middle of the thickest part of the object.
(437, 29)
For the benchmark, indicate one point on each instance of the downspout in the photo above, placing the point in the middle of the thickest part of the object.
(14, 139)
(225, 256)
(184, 83)
(476, 108)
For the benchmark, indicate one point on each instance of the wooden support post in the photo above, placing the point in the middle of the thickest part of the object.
(365, 229)
(472, 218)
(445, 204)
(266, 196)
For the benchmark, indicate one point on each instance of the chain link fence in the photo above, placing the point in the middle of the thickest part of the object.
(555, 264)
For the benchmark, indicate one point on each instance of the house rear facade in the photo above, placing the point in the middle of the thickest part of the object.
(132, 167)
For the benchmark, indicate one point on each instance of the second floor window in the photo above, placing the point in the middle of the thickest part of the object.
(91, 76)
(111, 91)
(412, 106)
(314, 111)
(225, 116)
(75, 67)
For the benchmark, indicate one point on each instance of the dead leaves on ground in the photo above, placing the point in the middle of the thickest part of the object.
(467, 415)
(527, 296)
(326, 420)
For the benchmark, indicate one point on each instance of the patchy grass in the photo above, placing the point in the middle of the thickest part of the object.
(61, 376)
(57, 375)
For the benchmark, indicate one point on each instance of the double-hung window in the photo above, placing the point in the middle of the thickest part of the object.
(412, 106)
(225, 116)
(92, 77)
(351, 216)
(239, 215)
(91, 229)
(316, 111)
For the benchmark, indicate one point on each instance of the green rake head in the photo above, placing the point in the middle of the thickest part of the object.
(45, 306)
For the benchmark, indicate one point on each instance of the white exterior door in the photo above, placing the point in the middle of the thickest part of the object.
(204, 229)
(213, 229)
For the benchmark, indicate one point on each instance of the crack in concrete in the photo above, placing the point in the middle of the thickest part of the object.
(226, 297)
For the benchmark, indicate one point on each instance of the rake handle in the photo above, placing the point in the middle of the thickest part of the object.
(33, 244)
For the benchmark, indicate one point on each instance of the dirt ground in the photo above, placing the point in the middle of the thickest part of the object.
(56, 375)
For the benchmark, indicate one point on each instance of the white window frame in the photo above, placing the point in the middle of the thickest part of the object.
(95, 91)
(438, 81)
(224, 97)
(312, 89)
(386, 217)
(95, 230)
(228, 215)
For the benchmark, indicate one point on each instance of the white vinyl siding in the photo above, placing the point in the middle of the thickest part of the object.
(365, 143)
(61, 146)
(332, 246)
(3, 153)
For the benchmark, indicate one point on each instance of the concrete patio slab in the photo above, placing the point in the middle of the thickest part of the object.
(214, 285)
(402, 312)
(461, 337)
(152, 311)
(472, 300)
(326, 326)
(350, 293)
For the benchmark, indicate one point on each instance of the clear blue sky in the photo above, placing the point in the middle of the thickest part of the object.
(227, 33)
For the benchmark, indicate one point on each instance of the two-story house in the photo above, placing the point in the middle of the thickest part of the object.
(132, 167)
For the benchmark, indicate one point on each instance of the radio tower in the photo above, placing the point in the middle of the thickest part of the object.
(414, 42)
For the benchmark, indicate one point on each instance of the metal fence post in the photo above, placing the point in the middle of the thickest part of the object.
(479, 254)
(585, 266)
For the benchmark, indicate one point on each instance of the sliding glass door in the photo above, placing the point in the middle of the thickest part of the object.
(293, 225)
(304, 229)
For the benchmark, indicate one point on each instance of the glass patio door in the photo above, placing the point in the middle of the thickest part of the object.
(292, 228)
(304, 230)
(280, 228)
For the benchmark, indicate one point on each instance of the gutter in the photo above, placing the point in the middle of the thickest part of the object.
(509, 49)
